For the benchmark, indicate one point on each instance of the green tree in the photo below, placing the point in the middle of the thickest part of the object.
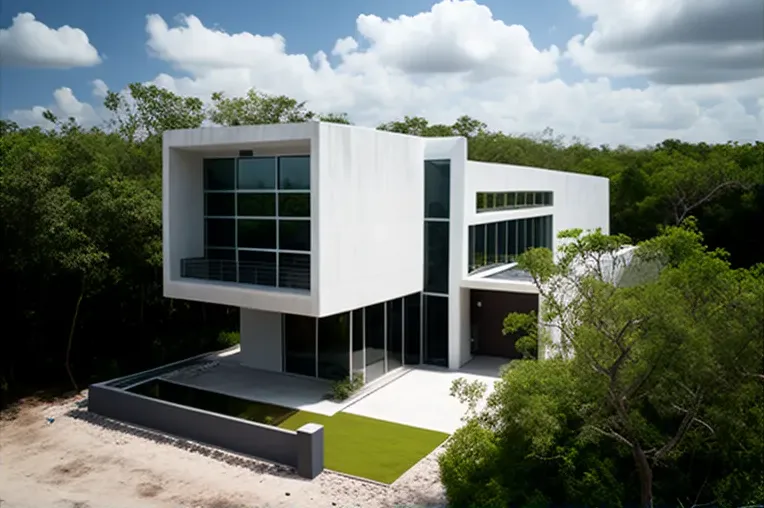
(143, 111)
(647, 368)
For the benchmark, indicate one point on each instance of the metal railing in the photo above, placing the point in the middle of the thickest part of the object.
(295, 276)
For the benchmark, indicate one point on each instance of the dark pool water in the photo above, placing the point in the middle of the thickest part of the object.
(214, 402)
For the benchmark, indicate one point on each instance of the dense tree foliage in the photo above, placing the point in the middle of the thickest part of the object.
(652, 392)
(80, 215)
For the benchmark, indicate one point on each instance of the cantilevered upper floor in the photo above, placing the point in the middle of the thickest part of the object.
(308, 218)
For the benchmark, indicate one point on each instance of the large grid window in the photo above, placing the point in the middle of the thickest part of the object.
(502, 242)
(257, 221)
(496, 201)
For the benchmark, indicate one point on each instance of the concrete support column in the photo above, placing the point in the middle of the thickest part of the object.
(310, 450)
(260, 333)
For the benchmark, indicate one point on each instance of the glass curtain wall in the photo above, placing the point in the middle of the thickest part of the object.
(257, 221)
(502, 242)
(437, 188)
(367, 342)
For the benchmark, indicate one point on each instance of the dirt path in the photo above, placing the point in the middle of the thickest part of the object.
(84, 461)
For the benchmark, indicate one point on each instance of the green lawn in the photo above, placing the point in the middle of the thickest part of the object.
(369, 448)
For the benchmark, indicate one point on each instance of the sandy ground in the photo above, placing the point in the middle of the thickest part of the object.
(85, 461)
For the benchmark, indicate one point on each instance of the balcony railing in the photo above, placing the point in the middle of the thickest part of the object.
(246, 272)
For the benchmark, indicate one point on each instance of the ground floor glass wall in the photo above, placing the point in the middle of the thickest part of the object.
(436, 330)
(369, 342)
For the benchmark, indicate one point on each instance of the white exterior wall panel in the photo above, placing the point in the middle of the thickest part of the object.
(369, 247)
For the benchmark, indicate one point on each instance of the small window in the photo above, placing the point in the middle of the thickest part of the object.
(437, 189)
(511, 200)
(520, 199)
(220, 204)
(548, 198)
(529, 199)
(294, 235)
(221, 232)
(294, 173)
(256, 204)
(257, 234)
(257, 267)
(255, 173)
(499, 201)
(221, 254)
(294, 271)
(480, 201)
(219, 174)
(489, 204)
(539, 198)
(295, 204)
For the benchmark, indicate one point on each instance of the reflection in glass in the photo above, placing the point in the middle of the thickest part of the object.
(501, 242)
(220, 232)
(357, 363)
(375, 341)
(257, 173)
(219, 174)
(512, 238)
(490, 249)
(394, 334)
(437, 185)
(522, 237)
(334, 346)
(436, 257)
(294, 271)
(219, 204)
(257, 267)
(294, 235)
(299, 345)
(471, 247)
(294, 204)
(294, 172)
(257, 233)
(436, 330)
(221, 254)
(480, 244)
(412, 325)
(256, 204)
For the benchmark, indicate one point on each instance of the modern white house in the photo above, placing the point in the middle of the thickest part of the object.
(353, 251)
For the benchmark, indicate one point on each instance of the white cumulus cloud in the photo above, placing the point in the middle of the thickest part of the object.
(457, 58)
(672, 42)
(65, 105)
(30, 43)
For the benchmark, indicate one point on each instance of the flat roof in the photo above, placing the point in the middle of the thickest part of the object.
(514, 274)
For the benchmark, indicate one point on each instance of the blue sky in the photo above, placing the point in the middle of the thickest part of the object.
(628, 72)
(118, 32)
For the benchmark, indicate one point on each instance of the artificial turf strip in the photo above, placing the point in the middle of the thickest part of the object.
(366, 447)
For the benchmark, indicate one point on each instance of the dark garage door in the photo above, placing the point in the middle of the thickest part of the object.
(487, 312)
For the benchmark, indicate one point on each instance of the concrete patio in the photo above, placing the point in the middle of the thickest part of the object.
(416, 396)
(421, 397)
(224, 374)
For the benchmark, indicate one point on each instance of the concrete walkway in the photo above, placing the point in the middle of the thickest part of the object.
(421, 398)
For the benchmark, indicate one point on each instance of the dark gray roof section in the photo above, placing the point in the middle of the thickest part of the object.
(513, 274)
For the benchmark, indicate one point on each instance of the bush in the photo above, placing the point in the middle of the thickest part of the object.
(467, 468)
(345, 388)
(228, 339)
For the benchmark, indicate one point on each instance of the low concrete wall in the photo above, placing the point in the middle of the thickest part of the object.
(303, 449)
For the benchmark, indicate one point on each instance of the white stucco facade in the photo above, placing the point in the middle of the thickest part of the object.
(367, 222)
